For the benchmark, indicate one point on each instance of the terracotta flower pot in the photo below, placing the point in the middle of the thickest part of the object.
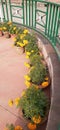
(1, 33)
(6, 34)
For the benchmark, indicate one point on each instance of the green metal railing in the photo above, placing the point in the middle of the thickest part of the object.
(39, 15)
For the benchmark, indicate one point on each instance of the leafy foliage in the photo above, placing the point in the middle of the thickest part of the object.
(37, 74)
(33, 102)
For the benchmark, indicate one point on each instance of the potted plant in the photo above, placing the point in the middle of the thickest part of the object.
(37, 73)
(35, 59)
(5, 27)
(13, 30)
(34, 104)
(1, 32)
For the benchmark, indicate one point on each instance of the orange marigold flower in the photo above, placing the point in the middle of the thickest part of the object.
(36, 120)
(31, 126)
(18, 128)
(45, 84)
(46, 78)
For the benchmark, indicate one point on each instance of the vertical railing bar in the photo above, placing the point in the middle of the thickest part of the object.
(53, 8)
(46, 19)
(10, 10)
(35, 13)
(7, 10)
(3, 9)
(23, 12)
(32, 13)
(55, 25)
(49, 21)
(29, 12)
(26, 13)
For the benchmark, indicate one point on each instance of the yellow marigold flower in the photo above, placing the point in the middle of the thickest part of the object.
(27, 77)
(25, 42)
(0, 29)
(36, 120)
(14, 39)
(28, 53)
(20, 44)
(27, 57)
(45, 84)
(46, 78)
(18, 128)
(10, 103)
(23, 93)
(4, 28)
(32, 51)
(17, 100)
(25, 31)
(28, 84)
(27, 65)
(22, 36)
(9, 23)
(14, 28)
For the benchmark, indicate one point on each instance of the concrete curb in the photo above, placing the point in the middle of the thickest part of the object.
(54, 69)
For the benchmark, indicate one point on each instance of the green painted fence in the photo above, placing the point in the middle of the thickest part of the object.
(39, 15)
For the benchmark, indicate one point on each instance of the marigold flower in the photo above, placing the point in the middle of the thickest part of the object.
(36, 120)
(28, 53)
(17, 100)
(14, 39)
(45, 84)
(28, 84)
(9, 23)
(20, 44)
(25, 42)
(22, 36)
(4, 28)
(0, 29)
(10, 103)
(27, 57)
(23, 93)
(32, 51)
(27, 65)
(31, 126)
(46, 78)
(27, 77)
(18, 128)
(14, 28)
(25, 31)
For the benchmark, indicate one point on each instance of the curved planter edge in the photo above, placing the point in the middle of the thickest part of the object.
(54, 69)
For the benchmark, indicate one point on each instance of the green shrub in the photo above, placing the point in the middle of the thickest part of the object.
(35, 59)
(32, 46)
(33, 103)
(37, 74)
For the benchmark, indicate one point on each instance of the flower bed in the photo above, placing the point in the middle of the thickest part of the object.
(33, 101)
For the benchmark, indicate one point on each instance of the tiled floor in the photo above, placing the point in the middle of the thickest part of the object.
(12, 71)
